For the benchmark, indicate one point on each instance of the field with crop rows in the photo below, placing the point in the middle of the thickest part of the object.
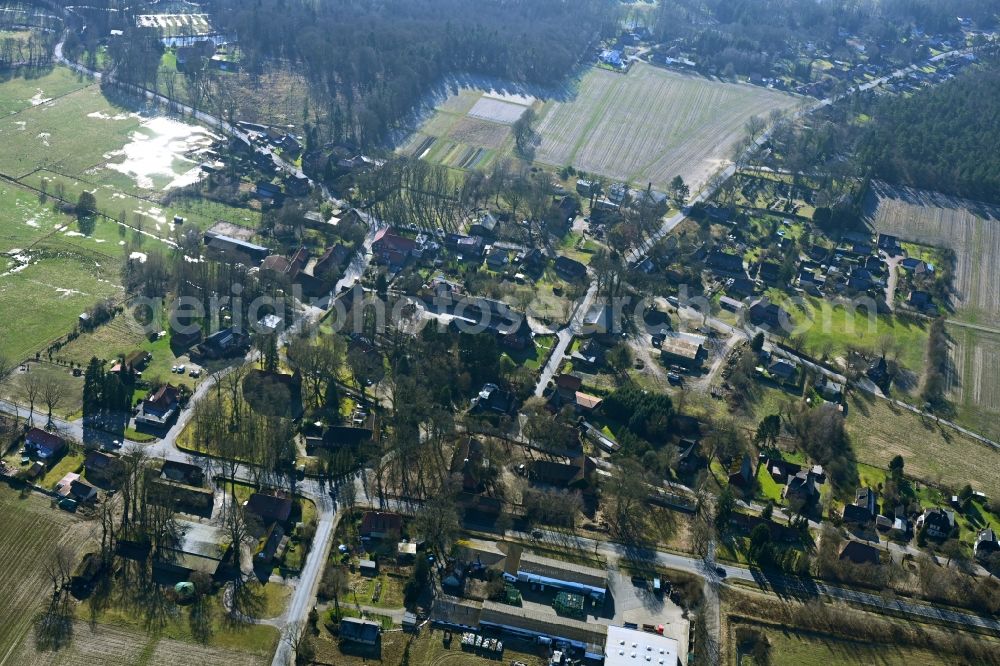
(31, 531)
(970, 229)
(973, 386)
(651, 124)
(467, 128)
(173, 25)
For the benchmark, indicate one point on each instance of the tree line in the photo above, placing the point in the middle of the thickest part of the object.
(372, 64)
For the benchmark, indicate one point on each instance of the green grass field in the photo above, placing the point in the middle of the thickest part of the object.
(42, 302)
(810, 649)
(63, 136)
(833, 329)
(650, 124)
(24, 93)
(25, 220)
(879, 431)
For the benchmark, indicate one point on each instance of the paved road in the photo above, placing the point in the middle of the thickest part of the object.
(564, 339)
(778, 583)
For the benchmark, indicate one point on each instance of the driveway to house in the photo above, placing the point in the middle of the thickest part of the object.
(892, 265)
(565, 339)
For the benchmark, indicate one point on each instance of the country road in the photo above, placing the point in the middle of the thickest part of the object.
(807, 587)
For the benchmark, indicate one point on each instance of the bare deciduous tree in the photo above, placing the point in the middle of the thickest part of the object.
(53, 394)
(31, 384)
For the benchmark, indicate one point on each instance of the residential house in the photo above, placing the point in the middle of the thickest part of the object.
(393, 249)
(740, 287)
(378, 525)
(272, 544)
(857, 515)
(586, 403)
(831, 390)
(497, 259)
(466, 248)
(43, 445)
(731, 304)
(914, 265)
(268, 191)
(516, 336)
(860, 553)
(860, 280)
(723, 263)
(986, 544)
(578, 473)
(493, 399)
(360, 162)
(567, 386)
(938, 523)
(685, 350)
(769, 272)
(470, 462)
(159, 408)
(224, 343)
(103, 468)
(570, 269)
(182, 472)
(590, 355)
(362, 632)
(269, 508)
(889, 244)
(484, 226)
(818, 253)
(741, 472)
(297, 184)
(783, 371)
(801, 487)
(311, 275)
(73, 487)
(132, 364)
(612, 57)
(920, 300)
(765, 313)
(866, 499)
(568, 207)
(878, 372)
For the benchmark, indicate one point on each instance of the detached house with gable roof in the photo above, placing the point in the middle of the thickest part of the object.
(44, 445)
(159, 408)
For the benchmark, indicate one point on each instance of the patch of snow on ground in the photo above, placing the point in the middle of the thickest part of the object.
(118, 116)
(40, 98)
(155, 149)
